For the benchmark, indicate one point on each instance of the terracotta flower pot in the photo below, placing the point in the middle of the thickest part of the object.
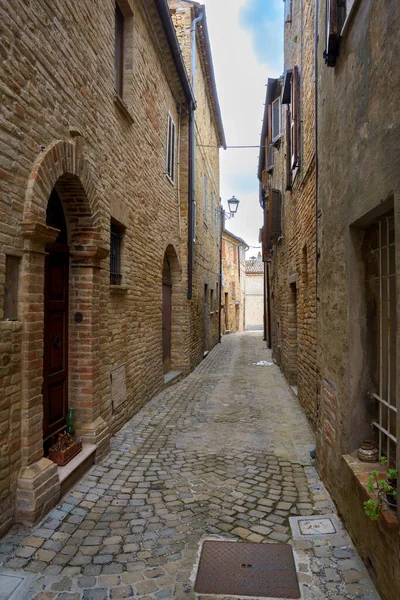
(368, 452)
(62, 457)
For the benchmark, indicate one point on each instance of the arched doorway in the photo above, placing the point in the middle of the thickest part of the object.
(166, 315)
(56, 314)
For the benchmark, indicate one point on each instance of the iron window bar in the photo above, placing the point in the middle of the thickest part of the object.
(387, 409)
(115, 257)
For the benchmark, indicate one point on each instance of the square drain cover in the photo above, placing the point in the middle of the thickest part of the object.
(247, 569)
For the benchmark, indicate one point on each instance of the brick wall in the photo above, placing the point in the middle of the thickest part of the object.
(62, 117)
(203, 317)
(233, 289)
(293, 267)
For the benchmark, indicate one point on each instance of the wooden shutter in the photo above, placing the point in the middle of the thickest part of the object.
(276, 119)
(295, 122)
(332, 32)
(288, 149)
(270, 157)
(274, 215)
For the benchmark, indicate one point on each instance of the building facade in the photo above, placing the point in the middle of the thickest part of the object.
(254, 293)
(233, 283)
(95, 164)
(287, 178)
(208, 138)
(330, 189)
(359, 266)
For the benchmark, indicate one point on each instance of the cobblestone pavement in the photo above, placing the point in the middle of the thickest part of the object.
(223, 453)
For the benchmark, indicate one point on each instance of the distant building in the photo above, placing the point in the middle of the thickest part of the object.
(233, 283)
(254, 296)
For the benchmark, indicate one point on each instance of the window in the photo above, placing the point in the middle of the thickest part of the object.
(171, 149)
(212, 301)
(11, 289)
(382, 321)
(276, 120)
(295, 119)
(218, 223)
(288, 10)
(336, 11)
(119, 51)
(212, 215)
(205, 198)
(117, 233)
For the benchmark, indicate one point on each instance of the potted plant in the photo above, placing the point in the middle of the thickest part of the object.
(384, 490)
(66, 447)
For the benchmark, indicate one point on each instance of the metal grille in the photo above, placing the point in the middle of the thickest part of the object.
(115, 255)
(247, 569)
(385, 286)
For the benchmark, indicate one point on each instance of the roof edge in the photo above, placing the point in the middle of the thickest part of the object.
(236, 237)
(170, 33)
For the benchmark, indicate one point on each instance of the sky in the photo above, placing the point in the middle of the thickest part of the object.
(247, 47)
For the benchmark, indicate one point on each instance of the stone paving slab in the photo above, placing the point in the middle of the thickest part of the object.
(223, 453)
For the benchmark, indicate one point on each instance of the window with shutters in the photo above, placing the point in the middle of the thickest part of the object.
(205, 195)
(295, 119)
(171, 134)
(288, 10)
(336, 11)
(119, 51)
(291, 97)
(276, 120)
(274, 215)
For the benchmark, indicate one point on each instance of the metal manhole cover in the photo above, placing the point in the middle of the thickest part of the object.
(247, 569)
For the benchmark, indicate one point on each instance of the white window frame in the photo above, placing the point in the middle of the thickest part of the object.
(387, 410)
(171, 149)
(273, 124)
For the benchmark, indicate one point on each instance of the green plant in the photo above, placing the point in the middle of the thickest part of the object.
(380, 488)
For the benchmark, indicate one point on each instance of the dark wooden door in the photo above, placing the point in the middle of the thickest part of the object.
(55, 366)
(166, 325)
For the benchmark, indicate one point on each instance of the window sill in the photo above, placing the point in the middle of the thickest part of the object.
(122, 107)
(7, 325)
(361, 471)
(115, 288)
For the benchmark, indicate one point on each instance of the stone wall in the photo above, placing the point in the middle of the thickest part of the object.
(234, 282)
(293, 272)
(204, 303)
(359, 136)
(65, 126)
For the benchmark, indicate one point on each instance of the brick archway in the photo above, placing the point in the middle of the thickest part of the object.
(63, 167)
(178, 316)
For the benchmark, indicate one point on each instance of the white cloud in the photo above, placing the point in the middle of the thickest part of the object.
(241, 80)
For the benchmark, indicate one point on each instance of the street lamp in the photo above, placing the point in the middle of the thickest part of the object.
(233, 204)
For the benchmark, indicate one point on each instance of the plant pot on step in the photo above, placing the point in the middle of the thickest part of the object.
(64, 450)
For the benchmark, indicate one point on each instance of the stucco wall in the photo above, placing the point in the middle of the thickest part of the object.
(359, 137)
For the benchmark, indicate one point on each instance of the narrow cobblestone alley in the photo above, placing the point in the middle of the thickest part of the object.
(223, 453)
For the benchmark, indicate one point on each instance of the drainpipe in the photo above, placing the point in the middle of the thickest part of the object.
(222, 225)
(194, 48)
(269, 338)
(191, 158)
(316, 36)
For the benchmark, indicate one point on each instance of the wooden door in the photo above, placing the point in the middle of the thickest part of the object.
(55, 365)
(166, 325)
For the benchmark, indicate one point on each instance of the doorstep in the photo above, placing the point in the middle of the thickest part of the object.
(76, 468)
(172, 377)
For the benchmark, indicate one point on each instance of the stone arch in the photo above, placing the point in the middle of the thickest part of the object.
(63, 158)
(171, 269)
(61, 167)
